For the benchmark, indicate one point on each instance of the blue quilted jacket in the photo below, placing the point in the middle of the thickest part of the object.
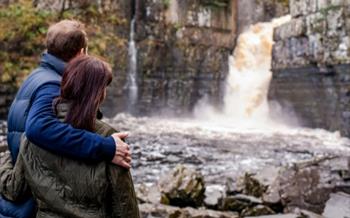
(49, 71)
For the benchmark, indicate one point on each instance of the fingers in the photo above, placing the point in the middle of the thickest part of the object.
(122, 161)
(125, 164)
(123, 147)
(127, 159)
(123, 154)
(121, 135)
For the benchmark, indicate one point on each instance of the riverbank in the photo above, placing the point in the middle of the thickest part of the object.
(312, 159)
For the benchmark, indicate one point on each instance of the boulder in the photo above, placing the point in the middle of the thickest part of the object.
(268, 178)
(338, 206)
(182, 187)
(165, 211)
(213, 196)
(231, 187)
(148, 194)
(239, 202)
(250, 185)
(308, 185)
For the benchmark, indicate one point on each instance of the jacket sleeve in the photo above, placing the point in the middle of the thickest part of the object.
(44, 129)
(13, 185)
(121, 191)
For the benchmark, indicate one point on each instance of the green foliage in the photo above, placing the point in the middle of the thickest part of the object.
(21, 40)
(24, 28)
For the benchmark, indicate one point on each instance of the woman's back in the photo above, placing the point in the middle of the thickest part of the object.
(68, 188)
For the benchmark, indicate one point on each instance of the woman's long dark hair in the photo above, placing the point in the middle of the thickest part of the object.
(83, 87)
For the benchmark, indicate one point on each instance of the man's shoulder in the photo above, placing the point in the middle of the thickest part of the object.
(39, 77)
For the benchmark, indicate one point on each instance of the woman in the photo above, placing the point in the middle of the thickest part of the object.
(63, 187)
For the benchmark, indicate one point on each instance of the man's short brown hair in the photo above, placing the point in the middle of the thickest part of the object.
(65, 39)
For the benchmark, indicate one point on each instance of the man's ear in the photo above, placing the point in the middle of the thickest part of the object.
(84, 50)
(81, 52)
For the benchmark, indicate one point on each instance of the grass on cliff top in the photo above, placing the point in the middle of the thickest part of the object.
(23, 31)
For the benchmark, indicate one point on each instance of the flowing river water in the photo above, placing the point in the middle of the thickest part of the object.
(242, 137)
(158, 145)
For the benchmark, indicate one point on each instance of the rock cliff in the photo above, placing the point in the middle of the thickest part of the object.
(182, 54)
(310, 64)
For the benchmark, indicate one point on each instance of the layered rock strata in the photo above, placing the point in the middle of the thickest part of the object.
(183, 49)
(310, 63)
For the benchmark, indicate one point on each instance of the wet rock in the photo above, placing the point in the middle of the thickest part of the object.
(308, 185)
(182, 187)
(251, 185)
(147, 194)
(272, 196)
(165, 211)
(257, 211)
(239, 202)
(232, 204)
(213, 195)
(338, 206)
(231, 187)
(269, 178)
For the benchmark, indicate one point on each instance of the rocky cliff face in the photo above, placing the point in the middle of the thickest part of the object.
(311, 60)
(182, 54)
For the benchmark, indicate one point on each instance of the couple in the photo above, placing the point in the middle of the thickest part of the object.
(64, 161)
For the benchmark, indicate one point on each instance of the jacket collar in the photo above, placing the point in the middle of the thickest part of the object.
(50, 61)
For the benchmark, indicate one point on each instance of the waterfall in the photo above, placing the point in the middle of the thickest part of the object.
(247, 84)
(132, 71)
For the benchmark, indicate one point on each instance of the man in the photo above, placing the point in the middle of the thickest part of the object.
(31, 112)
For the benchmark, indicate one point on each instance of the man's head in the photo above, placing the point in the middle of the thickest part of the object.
(66, 39)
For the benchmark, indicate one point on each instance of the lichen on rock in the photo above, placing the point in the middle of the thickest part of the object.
(182, 187)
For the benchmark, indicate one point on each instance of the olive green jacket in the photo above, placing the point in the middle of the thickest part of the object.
(64, 187)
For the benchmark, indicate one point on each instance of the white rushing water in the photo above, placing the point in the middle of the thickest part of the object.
(245, 101)
(132, 73)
